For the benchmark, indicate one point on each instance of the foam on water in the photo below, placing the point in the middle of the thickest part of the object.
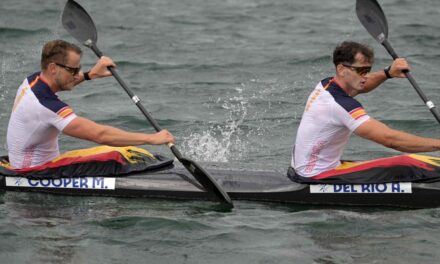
(3, 90)
(251, 109)
(225, 140)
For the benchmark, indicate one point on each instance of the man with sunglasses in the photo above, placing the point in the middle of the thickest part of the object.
(39, 116)
(332, 114)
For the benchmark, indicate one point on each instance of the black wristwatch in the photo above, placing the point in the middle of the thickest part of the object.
(387, 72)
(86, 76)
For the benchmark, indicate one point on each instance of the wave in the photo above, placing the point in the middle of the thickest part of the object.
(120, 27)
(426, 39)
(419, 26)
(150, 223)
(19, 32)
(312, 60)
(154, 66)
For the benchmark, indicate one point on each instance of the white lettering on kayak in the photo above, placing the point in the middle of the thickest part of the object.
(366, 188)
(101, 183)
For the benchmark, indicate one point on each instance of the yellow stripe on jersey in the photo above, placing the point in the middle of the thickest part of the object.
(357, 113)
(65, 112)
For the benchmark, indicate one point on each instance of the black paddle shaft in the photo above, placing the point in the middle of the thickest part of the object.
(431, 106)
(80, 25)
(133, 97)
(373, 19)
(136, 100)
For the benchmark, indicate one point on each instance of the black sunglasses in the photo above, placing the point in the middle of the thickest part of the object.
(362, 71)
(73, 71)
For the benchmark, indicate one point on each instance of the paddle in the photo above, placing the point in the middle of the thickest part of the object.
(373, 18)
(81, 26)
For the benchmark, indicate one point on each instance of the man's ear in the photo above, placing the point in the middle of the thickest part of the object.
(340, 70)
(51, 68)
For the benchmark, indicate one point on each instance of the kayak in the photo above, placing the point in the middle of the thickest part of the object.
(240, 184)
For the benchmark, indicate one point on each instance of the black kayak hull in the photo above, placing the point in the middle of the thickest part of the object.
(264, 186)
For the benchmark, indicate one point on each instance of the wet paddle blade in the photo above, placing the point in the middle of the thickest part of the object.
(373, 18)
(79, 24)
(208, 183)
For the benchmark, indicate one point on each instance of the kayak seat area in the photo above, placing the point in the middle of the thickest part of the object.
(402, 168)
(96, 161)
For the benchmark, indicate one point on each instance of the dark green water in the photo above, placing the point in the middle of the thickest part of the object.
(229, 79)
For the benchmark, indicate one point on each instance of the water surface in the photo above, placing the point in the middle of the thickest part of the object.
(230, 80)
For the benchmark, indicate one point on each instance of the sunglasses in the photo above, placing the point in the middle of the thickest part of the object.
(362, 71)
(73, 71)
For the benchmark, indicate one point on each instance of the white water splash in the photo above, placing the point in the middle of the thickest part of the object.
(221, 142)
(3, 90)
(3, 101)
(251, 110)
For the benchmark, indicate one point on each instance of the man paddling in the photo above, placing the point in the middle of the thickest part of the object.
(332, 114)
(39, 116)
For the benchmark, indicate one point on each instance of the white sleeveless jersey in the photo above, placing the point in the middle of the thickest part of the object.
(37, 119)
(330, 116)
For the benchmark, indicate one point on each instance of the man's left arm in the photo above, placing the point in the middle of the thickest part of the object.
(100, 70)
(397, 69)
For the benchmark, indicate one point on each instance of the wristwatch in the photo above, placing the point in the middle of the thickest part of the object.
(86, 76)
(387, 72)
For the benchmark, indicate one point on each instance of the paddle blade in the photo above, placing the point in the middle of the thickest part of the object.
(373, 18)
(208, 183)
(79, 24)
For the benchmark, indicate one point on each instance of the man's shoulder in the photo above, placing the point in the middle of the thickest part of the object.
(342, 98)
(348, 103)
(32, 77)
(55, 105)
(325, 81)
(47, 98)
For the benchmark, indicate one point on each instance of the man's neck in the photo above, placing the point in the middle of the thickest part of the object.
(344, 86)
(50, 82)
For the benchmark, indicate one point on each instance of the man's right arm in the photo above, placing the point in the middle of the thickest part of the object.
(100, 70)
(380, 133)
(84, 128)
